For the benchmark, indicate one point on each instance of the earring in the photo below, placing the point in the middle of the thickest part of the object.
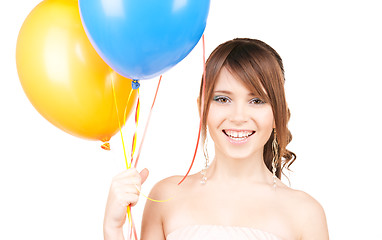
(207, 162)
(275, 150)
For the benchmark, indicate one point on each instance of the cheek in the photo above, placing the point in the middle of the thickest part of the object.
(265, 119)
(213, 117)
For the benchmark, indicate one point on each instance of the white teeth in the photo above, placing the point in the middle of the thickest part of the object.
(238, 134)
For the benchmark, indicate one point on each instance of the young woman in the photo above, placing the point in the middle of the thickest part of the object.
(240, 195)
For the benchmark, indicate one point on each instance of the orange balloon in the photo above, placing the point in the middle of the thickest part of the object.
(63, 76)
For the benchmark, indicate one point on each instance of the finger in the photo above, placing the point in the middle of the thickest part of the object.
(144, 174)
(129, 199)
(131, 172)
(136, 180)
(125, 189)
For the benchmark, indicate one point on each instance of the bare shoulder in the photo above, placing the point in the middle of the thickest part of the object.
(309, 215)
(300, 197)
(165, 188)
(306, 205)
(156, 206)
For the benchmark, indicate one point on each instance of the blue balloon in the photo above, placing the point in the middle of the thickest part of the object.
(141, 39)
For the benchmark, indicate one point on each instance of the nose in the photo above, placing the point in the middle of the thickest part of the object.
(239, 113)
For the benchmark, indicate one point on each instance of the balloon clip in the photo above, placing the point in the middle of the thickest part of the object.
(135, 84)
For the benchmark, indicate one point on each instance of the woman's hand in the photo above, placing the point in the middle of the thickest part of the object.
(123, 192)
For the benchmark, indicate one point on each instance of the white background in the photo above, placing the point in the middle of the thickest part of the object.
(54, 186)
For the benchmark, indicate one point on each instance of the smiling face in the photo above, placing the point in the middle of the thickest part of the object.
(240, 122)
(257, 70)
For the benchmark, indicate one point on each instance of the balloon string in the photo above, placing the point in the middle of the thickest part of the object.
(125, 114)
(134, 144)
(128, 165)
(132, 228)
(201, 110)
(119, 122)
(129, 215)
(137, 109)
(147, 124)
(141, 143)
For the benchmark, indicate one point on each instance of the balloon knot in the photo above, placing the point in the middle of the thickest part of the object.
(135, 84)
(106, 146)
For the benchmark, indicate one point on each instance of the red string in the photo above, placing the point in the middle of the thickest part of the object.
(201, 111)
(147, 123)
(133, 227)
(133, 230)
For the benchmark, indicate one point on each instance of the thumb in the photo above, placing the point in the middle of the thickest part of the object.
(144, 174)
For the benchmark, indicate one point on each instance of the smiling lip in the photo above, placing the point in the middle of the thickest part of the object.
(238, 136)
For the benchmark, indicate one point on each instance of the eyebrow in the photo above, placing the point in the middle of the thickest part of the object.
(229, 92)
(223, 91)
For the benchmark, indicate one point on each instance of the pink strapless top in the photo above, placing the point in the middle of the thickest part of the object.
(211, 232)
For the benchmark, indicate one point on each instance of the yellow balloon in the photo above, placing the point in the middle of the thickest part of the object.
(63, 76)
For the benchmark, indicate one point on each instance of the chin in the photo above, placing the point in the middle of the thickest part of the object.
(243, 155)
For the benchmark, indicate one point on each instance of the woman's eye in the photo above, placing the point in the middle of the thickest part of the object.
(256, 101)
(222, 99)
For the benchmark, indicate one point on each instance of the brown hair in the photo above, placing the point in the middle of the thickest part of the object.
(261, 70)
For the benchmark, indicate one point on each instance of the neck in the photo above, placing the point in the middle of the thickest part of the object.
(234, 170)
